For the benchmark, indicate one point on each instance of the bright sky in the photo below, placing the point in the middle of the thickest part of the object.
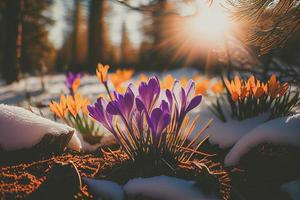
(118, 14)
(56, 33)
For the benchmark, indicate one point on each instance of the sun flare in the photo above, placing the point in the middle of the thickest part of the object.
(211, 23)
(194, 35)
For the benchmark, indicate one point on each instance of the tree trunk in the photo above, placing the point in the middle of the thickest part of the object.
(76, 23)
(96, 31)
(12, 19)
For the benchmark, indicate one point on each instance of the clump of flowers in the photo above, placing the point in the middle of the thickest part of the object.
(72, 109)
(148, 121)
(252, 97)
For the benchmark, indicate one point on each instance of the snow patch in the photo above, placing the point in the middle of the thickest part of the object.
(164, 188)
(21, 128)
(103, 189)
(292, 188)
(224, 134)
(284, 130)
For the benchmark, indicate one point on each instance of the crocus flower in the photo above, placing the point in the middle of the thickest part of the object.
(275, 88)
(74, 104)
(60, 109)
(202, 87)
(183, 81)
(122, 105)
(84, 105)
(143, 78)
(218, 87)
(99, 113)
(168, 82)
(159, 119)
(73, 81)
(149, 92)
(146, 113)
(101, 72)
(185, 99)
(120, 76)
(237, 89)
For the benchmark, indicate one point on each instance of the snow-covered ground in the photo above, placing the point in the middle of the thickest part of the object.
(15, 94)
(222, 134)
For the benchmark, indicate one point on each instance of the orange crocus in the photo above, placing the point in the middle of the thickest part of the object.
(183, 81)
(218, 87)
(120, 76)
(60, 109)
(74, 104)
(275, 88)
(84, 104)
(234, 88)
(101, 72)
(259, 91)
(168, 82)
(251, 84)
(143, 78)
(202, 87)
(76, 84)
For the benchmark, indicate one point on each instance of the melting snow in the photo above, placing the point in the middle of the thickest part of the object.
(284, 130)
(103, 189)
(292, 188)
(21, 128)
(164, 188)
(224, 134)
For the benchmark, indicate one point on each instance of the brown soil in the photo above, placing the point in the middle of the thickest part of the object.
(22, 180)
(34, 174)
(59, 176)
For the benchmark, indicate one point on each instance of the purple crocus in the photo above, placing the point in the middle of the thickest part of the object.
(158, 120)
(149, 92)
(98, 112)
(185, 99)
(145, 113)
(122, 105)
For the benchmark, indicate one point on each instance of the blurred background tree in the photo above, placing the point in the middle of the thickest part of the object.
(164, 34)
(25, 44)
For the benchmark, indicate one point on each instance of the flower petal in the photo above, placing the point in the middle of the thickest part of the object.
(194, 103)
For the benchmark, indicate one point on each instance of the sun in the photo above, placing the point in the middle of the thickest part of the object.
(210, 24)
(198, 33)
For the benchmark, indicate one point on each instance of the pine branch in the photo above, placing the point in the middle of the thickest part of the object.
(273, 22)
